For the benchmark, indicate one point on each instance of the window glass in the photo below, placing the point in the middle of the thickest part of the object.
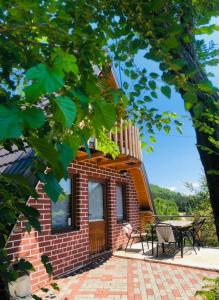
(119, 203)
(61, 210)
(95, 190)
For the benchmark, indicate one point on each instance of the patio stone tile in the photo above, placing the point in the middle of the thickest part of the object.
(130, 279)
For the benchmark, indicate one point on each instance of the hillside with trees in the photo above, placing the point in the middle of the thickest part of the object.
(182, 201)
(168, 202)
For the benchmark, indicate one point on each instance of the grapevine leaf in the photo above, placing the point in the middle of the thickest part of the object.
(10, 122)
(44, 80)
(66, 110)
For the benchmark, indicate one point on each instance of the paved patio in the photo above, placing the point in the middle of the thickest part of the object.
(121, 278)
(206, 258)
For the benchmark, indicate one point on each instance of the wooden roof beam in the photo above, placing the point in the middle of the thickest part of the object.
(113, 162)
(128, 167)
(93, 155)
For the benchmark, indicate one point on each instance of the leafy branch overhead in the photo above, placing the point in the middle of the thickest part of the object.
(54, 66)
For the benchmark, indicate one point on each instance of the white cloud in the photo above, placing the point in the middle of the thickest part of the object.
(172, 188)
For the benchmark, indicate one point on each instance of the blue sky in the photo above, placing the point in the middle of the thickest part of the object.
(175, 159)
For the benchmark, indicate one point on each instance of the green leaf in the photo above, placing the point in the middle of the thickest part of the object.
(65, 61)
(34, 222)
(154, 94)
(25, 265)
(7, 216)
(178, 123)
(51, 186)
(171, 43)
(35, 297)
(33, 117)
(147, 99)
(125, 85)
(152, 139)
(206, 86)
(66, 110)
(152, 84)
(47, 264)
(13, 119)
(154, 75)
(45, 290)
(22, 182)
(84, 100)
(149, 149)
(166, 129)
(207, 29)
(179, 130)
(190, 99)
(166, 90)
(55, 286)
(197, 109)
(105, 115)
(66, 154)
(46, 150)
(44, 80)
(143, 144)
(28, 211)
(159, 126)
(10, 122)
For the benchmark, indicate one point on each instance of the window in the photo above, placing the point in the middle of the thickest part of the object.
(120, 203)
(64, 209)
(96, 200)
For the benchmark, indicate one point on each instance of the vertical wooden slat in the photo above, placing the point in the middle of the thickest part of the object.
(139, 147)
(137, 142)
(126, 141)
(130, 139)
(121, 137)
(133, 142)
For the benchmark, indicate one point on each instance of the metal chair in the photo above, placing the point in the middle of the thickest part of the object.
(166, 234)
(192, 235)
(135, 234)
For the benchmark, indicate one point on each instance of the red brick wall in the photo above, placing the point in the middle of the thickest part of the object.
(70, 250)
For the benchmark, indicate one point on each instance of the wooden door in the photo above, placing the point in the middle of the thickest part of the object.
(97, 217)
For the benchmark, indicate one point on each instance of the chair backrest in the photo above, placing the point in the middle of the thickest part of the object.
(197, 227)
(165, 233)
(127, 228)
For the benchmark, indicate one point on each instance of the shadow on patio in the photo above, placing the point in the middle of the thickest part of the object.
(206, 258)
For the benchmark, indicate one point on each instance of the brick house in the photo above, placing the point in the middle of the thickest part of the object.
(102, 194)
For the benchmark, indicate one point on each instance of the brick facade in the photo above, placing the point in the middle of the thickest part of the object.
(70, 250)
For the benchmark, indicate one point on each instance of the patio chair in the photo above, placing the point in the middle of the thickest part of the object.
(166, 234)
(134, 234)
(192, 235)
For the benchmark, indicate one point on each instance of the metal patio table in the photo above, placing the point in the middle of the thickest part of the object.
(181, 225)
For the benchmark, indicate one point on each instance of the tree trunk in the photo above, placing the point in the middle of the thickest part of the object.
(209, 161)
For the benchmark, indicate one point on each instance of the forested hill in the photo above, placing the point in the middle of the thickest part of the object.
(182, 201)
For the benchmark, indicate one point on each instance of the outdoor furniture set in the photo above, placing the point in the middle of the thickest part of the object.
(176, 232)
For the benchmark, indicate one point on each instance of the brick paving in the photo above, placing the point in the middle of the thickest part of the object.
(120, 278)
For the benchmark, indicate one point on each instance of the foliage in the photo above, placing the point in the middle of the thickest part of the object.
(52, 100)
(200, 205)
(165, 207)
(210, 290)
(104, 144)
(182, 201)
